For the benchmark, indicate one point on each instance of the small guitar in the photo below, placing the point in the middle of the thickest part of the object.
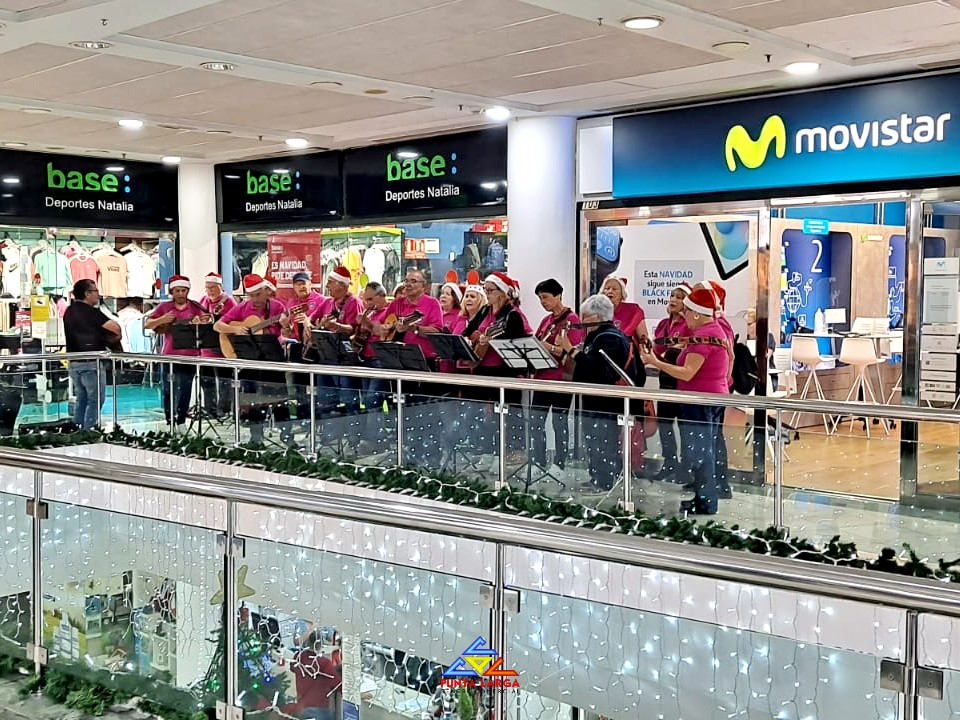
(364, 330)
(390, 333)
(254, 326)
(495, 330)
(196, 320)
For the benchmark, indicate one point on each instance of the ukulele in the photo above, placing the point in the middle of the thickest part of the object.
(495, 330)
(390, 333)
(168, 327)
(364, 330)
(254, 326)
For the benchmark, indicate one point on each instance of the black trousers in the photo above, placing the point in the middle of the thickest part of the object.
(540, 404)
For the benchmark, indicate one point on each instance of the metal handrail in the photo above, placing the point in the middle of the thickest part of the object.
(754, 402)
(804, 577)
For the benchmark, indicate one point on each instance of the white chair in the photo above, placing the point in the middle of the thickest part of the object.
(806, 351)
(896, 348)
(862, 326)
(861, 354)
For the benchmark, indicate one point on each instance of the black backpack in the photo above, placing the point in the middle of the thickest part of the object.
(746, 374)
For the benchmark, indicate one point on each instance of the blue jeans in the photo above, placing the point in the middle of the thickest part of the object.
(90, 385)
(699, 426)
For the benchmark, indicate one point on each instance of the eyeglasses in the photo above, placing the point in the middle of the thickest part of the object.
(412, 281)
(491, 289)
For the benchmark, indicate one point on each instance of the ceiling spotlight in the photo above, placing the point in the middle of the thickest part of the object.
(489, 185)
(35, 110)
(375, 91)
(297, 143)
(170, 159)
(115, 168)
(408, 154)
(328, 83)
(91, 44)
(281, 171)
(497, 113)
(11, 181)
(14, 144)
(131, 123)
(218, 66)
(218, 132)
(805, 67)
(645, 22)
(418, 98)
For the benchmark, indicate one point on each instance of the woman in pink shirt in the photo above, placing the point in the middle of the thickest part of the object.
(628, 317)
(560, 320)
(701, 367)
(451, 296)
(215, 382)
(667, 346)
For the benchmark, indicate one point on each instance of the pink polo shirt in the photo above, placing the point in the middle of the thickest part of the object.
(669, 328)
(548, 332)
(348, 310)
(246, 309)
(627, 317)
(432, 317)
(185, 313)
(712, 375)
(228, 304)
(378, 316)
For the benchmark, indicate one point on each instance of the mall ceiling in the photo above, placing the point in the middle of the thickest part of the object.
(343, 73)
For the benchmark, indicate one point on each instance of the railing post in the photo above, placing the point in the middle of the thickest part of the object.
(236, 406)
(498, 626)
(115, 364)
(312, 399)
(626, 438)
(399, 401)
(778, 472)
(171, 408)
(230, 605)
(502, 411)
(37, 584)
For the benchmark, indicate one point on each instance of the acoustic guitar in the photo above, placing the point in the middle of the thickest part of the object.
(390, 333)
(254, 326)
(195, 320)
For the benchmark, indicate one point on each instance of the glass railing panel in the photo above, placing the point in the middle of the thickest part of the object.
(644, 643)
(131, 602)
(135, 396)
(16, 563)
(367, 626)
(938, 649)
(938, 468)
(40, 395)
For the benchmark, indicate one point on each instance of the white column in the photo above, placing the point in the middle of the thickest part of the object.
(541, 206)
(198, 240)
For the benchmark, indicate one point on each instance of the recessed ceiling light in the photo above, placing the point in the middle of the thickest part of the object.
(91, 44)
(7, 195)
(804, 67)
(131, 123)
(328, 83)
(218, 66)
(732, 47)
(35, 110)
(171, 159)
(11, 181)
(298, 143)
(645, 22)
(232, 177)
(497, 113)
(419, 98)
(408, 154)
(55, 147)
(281, 171)
(489, 185)
(375, 91)
(115, 168)
(218, 132)
(14, 144)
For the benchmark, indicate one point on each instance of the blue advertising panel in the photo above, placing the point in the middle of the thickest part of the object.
(897, 275)
(907, 129)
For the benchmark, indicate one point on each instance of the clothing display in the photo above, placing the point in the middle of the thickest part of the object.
(113, 273)
(260, 265)
(373, 264)
(84, 267)
(133, 337)
(54, 271)
(141, 272)
(16, 264)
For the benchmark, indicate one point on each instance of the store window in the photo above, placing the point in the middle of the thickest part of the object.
(380, 253)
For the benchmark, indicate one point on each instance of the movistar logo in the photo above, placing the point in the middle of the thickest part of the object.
(753, 153)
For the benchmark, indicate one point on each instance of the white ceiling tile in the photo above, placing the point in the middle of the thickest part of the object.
(31, 59)
(781, 13)
(22, 5)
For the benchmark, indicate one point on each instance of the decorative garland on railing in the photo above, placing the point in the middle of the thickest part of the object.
(461, 491)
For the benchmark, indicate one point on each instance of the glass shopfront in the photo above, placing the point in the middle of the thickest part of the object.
(831, 291)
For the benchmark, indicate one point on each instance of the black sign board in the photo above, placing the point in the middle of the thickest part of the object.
(287, 189)
(466, 170)
(92, 192)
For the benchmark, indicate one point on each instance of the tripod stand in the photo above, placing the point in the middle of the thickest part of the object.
(454, 348)
(196, 337)
(529, 355)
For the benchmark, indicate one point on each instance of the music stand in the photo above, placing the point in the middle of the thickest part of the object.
(452, 347)
(527, 354)
(262, 348)
(196, 337)
(400, 356)
(333, 348)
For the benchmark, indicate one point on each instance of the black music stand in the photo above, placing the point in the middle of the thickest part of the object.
(197, 337)
(454, 348)
(529, 355)
(260, 348)
(400, 356)
(333, 348)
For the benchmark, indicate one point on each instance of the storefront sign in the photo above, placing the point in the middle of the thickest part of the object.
(291, 253)
(816, 227)
(59, 189)
(441, 173)
(896, 131)
(284, 189)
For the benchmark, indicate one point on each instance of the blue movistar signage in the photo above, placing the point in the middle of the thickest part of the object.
(902, 130)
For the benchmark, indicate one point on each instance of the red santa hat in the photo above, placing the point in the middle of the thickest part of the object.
(718, 291)
(455, 289)
(702, 300)
(506, 283)
(271, 282)
(214, 278)
(685, 287)
(340, 274)
(620, 281)
(252, 283)
(178, 281)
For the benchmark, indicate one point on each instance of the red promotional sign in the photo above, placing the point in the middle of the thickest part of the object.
(291, 253)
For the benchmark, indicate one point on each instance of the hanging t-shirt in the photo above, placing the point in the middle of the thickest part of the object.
(260, 264)
(113, 275)
(16, 262)
(141, 274)
(54, 271)
(373, 263)
(353, 261)
(84, 267)
(132, 336)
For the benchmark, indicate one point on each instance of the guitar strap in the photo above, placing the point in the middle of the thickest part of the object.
(551, 331)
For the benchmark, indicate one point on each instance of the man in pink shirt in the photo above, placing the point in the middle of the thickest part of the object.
(178, 310)
(215, 382)
(300, 307)
(374, 391)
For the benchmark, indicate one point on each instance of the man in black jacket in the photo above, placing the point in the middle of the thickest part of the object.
(601, 433)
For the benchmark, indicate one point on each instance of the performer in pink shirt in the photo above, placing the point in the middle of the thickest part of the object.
(215, 381)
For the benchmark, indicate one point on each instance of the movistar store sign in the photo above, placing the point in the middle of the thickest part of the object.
(898, 131)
